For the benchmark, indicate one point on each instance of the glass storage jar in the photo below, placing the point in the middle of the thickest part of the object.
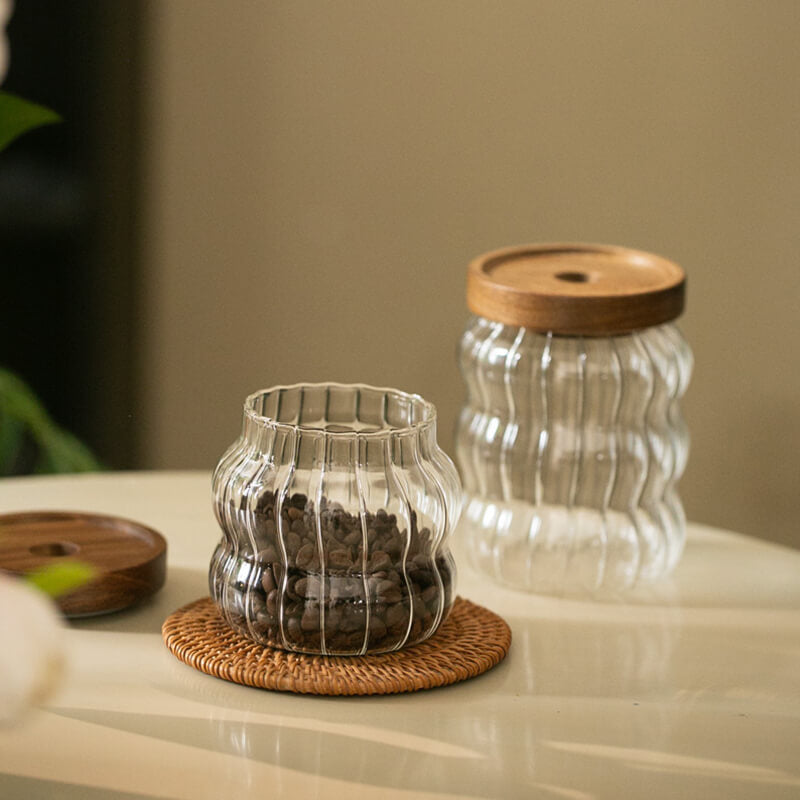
(571, 440)
(335, 503)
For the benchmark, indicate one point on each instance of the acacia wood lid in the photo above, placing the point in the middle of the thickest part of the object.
(576, 289)
(130, 559)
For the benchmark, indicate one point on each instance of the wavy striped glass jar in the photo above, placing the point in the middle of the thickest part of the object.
(571, 440)
(335, 504)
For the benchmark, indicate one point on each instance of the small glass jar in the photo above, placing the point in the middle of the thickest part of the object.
(571, 440)
(336, 503)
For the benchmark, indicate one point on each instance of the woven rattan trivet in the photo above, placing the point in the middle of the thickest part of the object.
(471, 641)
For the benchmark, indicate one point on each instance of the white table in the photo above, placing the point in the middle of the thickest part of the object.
(689, 690)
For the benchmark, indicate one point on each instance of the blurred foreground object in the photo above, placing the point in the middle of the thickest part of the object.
(31, 659)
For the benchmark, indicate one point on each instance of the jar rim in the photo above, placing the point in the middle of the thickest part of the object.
(417, 405)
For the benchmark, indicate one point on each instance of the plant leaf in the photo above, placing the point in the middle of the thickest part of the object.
(63, 452)
(12, 435)
(18, 116)
(59, 451)
(19, 401)
(61, 578)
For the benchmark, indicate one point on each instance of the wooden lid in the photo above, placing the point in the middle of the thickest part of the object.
(576, 289)
(131, 560)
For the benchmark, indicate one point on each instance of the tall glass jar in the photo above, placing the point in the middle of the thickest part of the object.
(336, 504)
(571, 440)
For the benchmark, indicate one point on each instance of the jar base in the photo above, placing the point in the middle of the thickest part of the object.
(350, 614)
(548, 549)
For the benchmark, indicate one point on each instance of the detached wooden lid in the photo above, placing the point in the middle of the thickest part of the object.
(130, 559)
(576, 289)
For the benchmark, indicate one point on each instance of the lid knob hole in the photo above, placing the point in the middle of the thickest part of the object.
(55, 549)
(573, 277)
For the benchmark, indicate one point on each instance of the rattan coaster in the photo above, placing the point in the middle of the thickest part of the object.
(471, 641)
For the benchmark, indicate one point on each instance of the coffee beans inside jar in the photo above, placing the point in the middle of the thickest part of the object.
(333, 582)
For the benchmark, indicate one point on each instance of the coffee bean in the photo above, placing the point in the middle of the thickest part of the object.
(373, 582)
(340, 559)
(430, 594)
(395, 577)
(382, 586)
(333, 619)
(380, 560)
(298, 527)
(257, 602)
(268, 555)
(305, 555)
(310, 618)
(293, 543)
(352, 619)
(291, 583)
(420, 561)
(298, 501)
(266, 502)
(420, 610)
(422, 577)
(393, 554)
(353, 538)
(393, 547)
(293, 629)
(377, 628)
(390, 595)
(396, 614)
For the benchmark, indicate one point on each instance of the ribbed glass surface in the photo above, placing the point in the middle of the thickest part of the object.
(570, 449)
(335, 504)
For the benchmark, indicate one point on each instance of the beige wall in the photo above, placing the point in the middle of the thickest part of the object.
(319, 174)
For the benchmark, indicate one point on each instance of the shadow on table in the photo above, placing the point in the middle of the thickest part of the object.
(182, 586)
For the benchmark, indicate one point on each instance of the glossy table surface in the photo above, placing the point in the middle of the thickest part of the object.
(688, 689)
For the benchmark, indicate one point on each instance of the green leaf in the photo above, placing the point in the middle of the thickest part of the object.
(12, 436)
(59, 451)
(19, 401)
(18, 116)
(62, 452)
(61, 578)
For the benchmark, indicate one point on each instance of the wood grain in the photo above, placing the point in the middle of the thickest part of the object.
(576, 289)
(131, 559)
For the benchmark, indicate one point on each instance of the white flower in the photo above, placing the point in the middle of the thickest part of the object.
(31, 656)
